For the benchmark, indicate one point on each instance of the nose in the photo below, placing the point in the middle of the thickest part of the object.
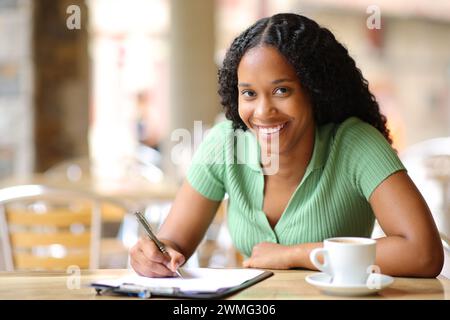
(264, 108)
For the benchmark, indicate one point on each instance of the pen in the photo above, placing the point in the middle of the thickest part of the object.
(152, 236)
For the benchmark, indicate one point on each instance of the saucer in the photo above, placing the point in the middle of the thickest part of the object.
(375, 283)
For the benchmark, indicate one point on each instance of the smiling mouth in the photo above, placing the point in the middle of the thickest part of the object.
(270, 130)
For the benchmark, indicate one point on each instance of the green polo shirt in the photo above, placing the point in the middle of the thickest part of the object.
(349, 161)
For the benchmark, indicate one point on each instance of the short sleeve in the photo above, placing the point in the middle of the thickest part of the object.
(369, 158)
(206, 171)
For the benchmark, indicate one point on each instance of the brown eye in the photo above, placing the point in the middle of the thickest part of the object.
(248, 93)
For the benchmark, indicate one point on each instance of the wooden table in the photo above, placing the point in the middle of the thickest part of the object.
(129, 189)
(134, 194)
(286, 284)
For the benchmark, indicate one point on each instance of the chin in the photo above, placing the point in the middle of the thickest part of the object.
(269, 150)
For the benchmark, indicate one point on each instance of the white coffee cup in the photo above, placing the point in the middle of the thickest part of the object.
(348, 260)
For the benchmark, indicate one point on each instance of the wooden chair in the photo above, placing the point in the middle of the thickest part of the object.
(44, 227)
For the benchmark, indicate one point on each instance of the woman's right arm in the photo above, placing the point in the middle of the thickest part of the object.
(183, 229)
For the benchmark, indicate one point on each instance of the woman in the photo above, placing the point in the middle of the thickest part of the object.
(295, 95)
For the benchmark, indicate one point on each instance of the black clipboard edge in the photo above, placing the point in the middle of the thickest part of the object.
(219, 294)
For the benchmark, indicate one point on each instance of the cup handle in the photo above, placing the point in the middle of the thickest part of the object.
(325, 267)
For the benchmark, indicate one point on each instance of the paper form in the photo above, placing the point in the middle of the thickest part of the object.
(195, 279)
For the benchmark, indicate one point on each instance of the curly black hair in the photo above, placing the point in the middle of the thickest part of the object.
(334, 84)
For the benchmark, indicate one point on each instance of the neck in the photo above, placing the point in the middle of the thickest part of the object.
(293, 162)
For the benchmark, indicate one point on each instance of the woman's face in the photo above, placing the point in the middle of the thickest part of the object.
(272, 102)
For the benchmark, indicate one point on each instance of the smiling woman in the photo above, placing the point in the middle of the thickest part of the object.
(292, 91)
(272, 102)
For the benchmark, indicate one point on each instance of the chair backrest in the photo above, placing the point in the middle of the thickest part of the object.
(43, 227)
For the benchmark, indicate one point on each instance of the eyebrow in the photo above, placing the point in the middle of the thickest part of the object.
(245, 84)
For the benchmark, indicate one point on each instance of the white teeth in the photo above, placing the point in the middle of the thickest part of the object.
(271, 130)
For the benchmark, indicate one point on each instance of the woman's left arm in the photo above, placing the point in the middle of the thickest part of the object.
(412, 246)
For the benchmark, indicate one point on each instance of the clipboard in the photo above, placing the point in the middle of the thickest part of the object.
(146, 292)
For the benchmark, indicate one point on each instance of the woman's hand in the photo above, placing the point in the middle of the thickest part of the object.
(148, 261)
(270, 255)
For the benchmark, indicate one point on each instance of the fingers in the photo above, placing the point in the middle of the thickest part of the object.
(151, 252)
(147, 260)
(258, 251)
(150, 269)
(177, 259)
(154, 268)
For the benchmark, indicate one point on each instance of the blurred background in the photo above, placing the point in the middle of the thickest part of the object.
(91, 93)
